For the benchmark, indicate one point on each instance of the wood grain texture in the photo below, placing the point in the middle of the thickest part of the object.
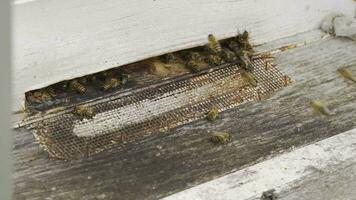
(286, 173)
(184, 157)
(56, 40)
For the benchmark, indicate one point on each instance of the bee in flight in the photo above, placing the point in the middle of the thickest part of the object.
(346, 74)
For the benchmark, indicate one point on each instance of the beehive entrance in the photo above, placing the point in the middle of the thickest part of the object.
(137, 109)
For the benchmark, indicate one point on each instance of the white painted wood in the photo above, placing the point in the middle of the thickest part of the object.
(281, 173)
(62, 39)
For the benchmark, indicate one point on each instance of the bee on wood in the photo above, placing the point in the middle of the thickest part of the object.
(269, 195)
(110, 83)
(76, 86)
(220, 138)
(125, 78)
(321, 108)
(228, 56)
(213, 45)
(346, 74)
(214, 60)
(213, 113)
(169, 58)
(248, 77)
(83, 111)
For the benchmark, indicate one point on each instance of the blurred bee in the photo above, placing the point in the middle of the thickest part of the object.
(321, 108)
(248, 77)
(51, 91)
(213, 113)
(228, 56)
(125, 78)
(213, 45)
(194, 66)
(244, 41)
(346, 74)
(110, 83)
(76, 86)
(287, 47)
(244, 56)
(220, 138)
(214, 60)
(169, 58)
(34, 97)
(83, 111)
(194, 60)
(269, 195)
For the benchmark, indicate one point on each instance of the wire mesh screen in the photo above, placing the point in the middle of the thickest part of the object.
(154, 109)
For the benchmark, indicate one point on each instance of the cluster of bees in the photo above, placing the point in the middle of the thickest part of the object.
(104, 81)
(236, 50)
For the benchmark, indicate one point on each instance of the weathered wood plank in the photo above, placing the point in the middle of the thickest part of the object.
(56, 40)
(182, 158)
(287, 173)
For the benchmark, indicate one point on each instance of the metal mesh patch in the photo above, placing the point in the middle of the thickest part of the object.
(154, 109)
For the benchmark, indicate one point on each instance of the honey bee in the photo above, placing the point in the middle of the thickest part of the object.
(214, 60)
(346, 74)
(321, 108)
(194, 60)
(243, 55)
(34, 97)
(83, 111)
(194, 66)
(125, 78)
(220, 138)
(269, 195)
(244, 41)
(213, 113)
(169, 58)
(213, 45)
(51, 91)
(76, 86)
(110, 83)
(193, 56)
(248, 77)
(246, 61)
(287, 47)
(228, 56)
